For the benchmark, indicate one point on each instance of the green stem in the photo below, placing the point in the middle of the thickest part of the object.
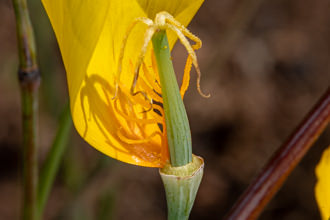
(29, 79)
(30, 154)
(25, 35)
(52, 163)
(177, 124)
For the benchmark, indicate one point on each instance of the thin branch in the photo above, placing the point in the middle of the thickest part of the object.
(29, 80)
(272, 177)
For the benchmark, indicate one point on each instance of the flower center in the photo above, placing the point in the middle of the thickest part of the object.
(140, 107)
(142, 121)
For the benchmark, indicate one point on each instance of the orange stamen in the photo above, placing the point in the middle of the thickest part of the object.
(186, 77)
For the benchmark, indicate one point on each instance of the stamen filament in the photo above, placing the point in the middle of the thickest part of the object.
(136, 141)
(186, 77)
(148, 22)
(134, 119)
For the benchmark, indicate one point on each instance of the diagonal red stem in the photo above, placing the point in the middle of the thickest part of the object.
(273, 175)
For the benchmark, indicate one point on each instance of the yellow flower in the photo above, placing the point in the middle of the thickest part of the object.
(90, 35)
(322, 188)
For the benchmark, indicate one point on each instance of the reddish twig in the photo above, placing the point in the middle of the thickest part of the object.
(273, 175)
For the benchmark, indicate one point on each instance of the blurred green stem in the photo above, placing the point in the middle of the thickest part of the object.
(29, 79)
(51, 165)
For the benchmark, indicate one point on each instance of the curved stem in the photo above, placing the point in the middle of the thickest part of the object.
(273, 175)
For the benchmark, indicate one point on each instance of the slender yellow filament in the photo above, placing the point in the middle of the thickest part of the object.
(186, 77)
(150, 91)
(191, 53)
(146, 21)
(137, 141)
(134, 119)
(152, 81)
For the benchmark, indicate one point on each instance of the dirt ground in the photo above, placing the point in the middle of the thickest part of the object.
(265, 63)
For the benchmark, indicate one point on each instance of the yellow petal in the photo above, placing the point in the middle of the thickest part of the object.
(76, 41)
(322, 188)
(90, 35)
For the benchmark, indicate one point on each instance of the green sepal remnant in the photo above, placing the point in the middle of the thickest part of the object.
(177, 124)
(181, 186)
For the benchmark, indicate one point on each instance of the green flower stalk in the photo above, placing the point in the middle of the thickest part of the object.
(182, 176)
(177, 124)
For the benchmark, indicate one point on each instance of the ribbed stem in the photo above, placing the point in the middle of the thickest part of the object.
(177, 124)
(29, 80)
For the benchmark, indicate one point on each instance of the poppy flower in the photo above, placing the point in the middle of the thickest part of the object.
(105, 113)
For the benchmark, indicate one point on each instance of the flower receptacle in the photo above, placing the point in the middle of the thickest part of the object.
(181, 186)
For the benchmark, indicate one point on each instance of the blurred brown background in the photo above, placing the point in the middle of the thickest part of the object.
(265, 63)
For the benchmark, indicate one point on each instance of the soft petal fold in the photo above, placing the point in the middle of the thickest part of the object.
(90, 35)
(322, 188)
(77, 25)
